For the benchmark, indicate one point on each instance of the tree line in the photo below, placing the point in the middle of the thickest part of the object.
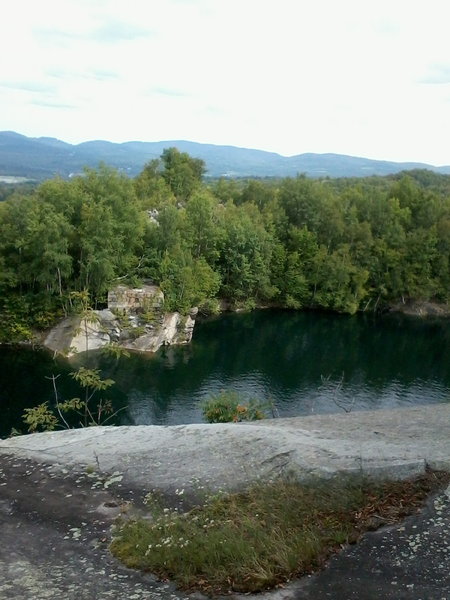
(343, 245)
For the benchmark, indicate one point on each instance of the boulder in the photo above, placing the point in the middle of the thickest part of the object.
(173, 329)
(75, 335)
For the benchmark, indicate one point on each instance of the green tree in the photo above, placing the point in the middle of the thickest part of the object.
(111, 230)
(151, 188)
(182, 173)
(301, 201)
(204, 218)
(339, 284)
(245, 257)
(186, 281)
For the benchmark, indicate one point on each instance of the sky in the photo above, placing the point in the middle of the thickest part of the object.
(359, 77)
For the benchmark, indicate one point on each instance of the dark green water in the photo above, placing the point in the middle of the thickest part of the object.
(296, 360)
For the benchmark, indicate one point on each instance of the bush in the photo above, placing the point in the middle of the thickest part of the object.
(19, 315)
(227, 407)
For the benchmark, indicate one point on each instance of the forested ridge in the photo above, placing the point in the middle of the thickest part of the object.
(333, 244)
(44, 157)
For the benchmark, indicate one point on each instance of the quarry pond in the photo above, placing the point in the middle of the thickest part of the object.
(300, 363)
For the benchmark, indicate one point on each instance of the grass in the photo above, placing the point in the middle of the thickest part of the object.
(252, 541)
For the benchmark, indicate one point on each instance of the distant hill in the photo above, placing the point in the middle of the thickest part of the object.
(44, 157)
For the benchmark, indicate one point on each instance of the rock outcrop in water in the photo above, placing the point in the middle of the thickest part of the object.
(135, 320)
(422, 308)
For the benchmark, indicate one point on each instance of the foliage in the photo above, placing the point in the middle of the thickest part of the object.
(227, 406)
(209, 307)
(80, 412)
(20, 315)
(89, 410)
(40, 418)
(265, 536)
(182, 173)
(343, 245)
(113, 350)
(90, 379)
(136, 332)
(187, 282)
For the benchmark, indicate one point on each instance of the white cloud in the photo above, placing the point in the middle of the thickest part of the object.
(289, 76)
(28, 86)
(437, 74)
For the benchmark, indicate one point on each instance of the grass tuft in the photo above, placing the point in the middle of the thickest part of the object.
(252, 541)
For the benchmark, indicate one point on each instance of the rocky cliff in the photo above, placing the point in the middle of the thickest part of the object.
(135, 320)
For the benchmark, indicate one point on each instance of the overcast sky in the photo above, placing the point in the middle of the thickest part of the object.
(362, 77)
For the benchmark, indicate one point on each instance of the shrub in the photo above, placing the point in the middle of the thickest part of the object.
(227, 407)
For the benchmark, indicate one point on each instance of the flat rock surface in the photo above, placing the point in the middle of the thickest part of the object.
(394, 443)
(59, 494)
(55, 530)
(411, 560)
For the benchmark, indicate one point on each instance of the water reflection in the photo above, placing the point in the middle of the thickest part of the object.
(304, 362)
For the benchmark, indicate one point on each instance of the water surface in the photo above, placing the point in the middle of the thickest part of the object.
(302, 362)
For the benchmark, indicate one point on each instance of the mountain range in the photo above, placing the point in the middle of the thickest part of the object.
(44, 157)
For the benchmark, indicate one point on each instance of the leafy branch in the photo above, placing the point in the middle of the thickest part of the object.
(43, 417)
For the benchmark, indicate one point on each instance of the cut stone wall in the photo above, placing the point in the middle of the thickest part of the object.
(125, 300)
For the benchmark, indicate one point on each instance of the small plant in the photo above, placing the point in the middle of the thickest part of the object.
(148, 314)
(123, 319)
(46, 418)
(88, 410)
(40, 418)
(136, 332)
(14, 432)
(228, 407)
